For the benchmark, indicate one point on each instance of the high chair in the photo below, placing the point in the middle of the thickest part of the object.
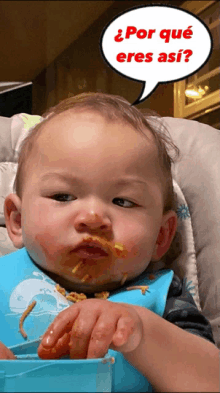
(197, 186)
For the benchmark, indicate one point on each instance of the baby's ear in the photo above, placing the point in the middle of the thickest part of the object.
(166, 235)
(12, 212)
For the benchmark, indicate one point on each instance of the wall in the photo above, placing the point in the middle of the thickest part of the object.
(81, 68)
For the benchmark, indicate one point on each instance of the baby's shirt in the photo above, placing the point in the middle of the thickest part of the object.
(183, 312)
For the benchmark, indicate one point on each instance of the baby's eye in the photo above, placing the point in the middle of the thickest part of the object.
(124, 202)
(62, 197)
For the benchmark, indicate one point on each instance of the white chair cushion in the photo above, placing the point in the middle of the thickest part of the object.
(197, 174)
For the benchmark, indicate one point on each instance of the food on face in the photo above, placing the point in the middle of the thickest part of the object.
(124, 278)
(77, 266)
(143, 288)
(76, 297)
(24, 315)
(97, 239)
(60, 290)
(102, 295)
(85, 278)
(119, 250)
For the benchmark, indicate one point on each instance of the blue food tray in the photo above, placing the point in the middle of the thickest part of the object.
(28, 373)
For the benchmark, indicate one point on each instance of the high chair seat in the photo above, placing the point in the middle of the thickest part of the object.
(196, 179)
(197, 174)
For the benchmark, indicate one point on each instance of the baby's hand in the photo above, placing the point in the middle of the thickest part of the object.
(89, 328)
(6, 353)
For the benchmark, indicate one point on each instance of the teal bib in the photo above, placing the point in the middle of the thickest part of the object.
(21, 283)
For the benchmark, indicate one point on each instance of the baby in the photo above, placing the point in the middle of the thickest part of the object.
(93, 207)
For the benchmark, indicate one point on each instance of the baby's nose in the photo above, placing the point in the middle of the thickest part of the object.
(93, 220)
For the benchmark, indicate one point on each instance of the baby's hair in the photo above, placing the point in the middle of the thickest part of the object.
(113, 108)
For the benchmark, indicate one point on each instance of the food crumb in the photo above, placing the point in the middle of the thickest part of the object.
(76, 297)
(102, 295)
(106, 360)
(60, 289)
(124, 278)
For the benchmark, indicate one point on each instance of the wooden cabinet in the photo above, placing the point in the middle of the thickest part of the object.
(198, 96)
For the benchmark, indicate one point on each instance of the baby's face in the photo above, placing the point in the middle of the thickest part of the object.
(92, 178)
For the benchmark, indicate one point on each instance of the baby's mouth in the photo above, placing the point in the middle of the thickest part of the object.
(93, 246)
(90, 252)
(93, 249)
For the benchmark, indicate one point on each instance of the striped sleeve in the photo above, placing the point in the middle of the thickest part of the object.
(182, 311)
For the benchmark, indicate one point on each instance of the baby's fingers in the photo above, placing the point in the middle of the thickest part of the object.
(127, 336)
(61, 325)
(60, 349)
(101, 336)
(6, 353)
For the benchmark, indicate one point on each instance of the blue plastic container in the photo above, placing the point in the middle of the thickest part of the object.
(28, 373)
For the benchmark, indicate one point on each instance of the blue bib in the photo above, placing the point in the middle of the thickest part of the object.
(21, 283)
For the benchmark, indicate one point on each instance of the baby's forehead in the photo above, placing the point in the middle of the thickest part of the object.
(51, 154)
(76, 116)
(117, 135)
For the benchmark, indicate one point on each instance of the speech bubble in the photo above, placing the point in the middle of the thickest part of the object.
(156, 44)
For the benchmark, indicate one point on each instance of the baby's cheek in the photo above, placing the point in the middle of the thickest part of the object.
(126, 254)
(47, 244)
(138, 257)
(130, 250)
(43, 250)
(134, 250)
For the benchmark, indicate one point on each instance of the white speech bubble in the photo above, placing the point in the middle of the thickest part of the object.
(137, 43)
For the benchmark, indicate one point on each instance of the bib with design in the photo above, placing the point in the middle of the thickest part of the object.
(21, 283)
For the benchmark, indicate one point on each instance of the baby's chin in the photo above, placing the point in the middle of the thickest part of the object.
(95, 288)
(91, 287)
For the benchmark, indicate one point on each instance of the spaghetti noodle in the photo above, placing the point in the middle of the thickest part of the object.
(102, 295)
(124, 278)
(143, 288)
(24, 315)
(60, 290)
